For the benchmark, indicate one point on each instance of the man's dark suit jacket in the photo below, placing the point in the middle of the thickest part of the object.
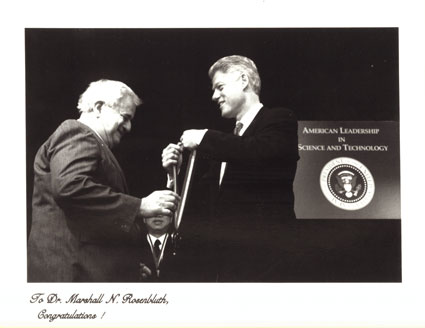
(253, 209)
(84, 222)
(185, 263)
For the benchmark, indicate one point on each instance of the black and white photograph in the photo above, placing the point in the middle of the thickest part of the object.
(177, 170)
(89, 225)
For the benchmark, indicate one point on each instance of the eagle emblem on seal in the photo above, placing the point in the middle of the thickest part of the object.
(347, 184)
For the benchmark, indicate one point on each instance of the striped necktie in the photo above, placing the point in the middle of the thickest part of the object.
(237, 128)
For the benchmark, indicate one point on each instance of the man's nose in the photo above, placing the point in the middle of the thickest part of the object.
(127, 126)
(215, 95)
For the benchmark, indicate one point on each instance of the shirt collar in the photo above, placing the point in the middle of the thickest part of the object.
(249, 116)
(160, 238)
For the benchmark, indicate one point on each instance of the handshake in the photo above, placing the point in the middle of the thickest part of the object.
(165, 202)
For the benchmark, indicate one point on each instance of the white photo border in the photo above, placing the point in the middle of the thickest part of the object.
(215, 305)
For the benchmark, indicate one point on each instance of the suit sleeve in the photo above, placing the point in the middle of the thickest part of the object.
(77, 184)
(275, 137)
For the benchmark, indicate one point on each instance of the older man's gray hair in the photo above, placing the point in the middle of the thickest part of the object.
(107, 91)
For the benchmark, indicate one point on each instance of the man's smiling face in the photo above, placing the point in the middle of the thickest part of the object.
(228, 92)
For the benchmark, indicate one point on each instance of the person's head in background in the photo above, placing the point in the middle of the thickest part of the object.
(158, 225)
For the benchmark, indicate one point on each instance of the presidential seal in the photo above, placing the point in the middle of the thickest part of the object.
(347, 183)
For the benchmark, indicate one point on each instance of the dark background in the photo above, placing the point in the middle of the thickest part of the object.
(321, 74)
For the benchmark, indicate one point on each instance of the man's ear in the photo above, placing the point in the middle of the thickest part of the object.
(97, 108)
(245, 80)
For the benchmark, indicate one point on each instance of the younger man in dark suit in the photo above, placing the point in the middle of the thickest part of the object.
(158, 245)
(250, 177)
(163, 260)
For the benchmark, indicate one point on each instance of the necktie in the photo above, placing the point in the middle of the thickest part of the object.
(237, 128)
(156, 249)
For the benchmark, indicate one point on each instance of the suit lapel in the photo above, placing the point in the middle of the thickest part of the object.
(110, 157)
(114, 161)
(166, 249)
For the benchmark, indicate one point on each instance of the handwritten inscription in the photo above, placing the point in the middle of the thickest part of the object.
(76, 298)
(43, 314)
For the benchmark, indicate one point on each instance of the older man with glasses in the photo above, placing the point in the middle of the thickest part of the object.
(85, 225)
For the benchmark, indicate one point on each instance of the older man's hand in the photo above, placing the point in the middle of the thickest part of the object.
(160, 202)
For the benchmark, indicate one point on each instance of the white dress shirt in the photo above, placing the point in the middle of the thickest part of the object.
(163, 239)
(246, 121)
